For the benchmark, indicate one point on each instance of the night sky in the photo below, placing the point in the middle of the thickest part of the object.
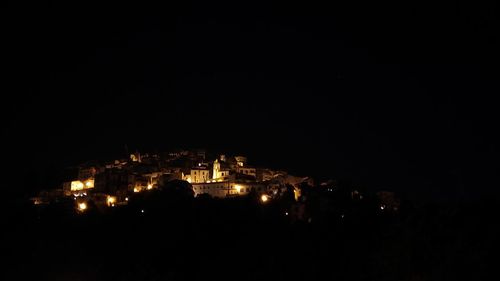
(389, 95)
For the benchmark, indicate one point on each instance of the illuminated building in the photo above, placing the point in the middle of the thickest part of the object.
(199, 175)
(228, 188)
(77, 185)
(218, 172)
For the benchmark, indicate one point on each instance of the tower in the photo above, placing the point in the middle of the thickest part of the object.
(216, 169)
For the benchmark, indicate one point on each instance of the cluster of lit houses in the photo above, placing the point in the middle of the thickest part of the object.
(109, 184)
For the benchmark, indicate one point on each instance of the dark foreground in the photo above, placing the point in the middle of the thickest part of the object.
(243, 239)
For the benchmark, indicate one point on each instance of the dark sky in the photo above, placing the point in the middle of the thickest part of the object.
(390, 95)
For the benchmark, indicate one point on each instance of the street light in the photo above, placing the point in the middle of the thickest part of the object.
(82, 206)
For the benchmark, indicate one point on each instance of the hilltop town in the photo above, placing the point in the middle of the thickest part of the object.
(112, 183)
(189, 215)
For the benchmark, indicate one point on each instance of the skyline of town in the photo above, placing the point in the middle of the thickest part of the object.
(111, 183)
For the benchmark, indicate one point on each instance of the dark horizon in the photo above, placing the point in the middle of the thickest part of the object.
(391, 96)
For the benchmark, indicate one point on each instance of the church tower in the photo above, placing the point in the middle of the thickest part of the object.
(216, 169)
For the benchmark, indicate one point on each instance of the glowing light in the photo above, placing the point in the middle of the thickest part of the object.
(238, 188)
(82, 206)
(286, 213)
(111, 201)
(126, 198)
(136, 189)
(142, 211)
(150, 186)
(189, 180)
(89, 184)
(76, 185)
(296, 194)
(264, 198)
(382, 207)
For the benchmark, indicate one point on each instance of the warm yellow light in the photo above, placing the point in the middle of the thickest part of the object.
(296, 194)
(264, 198)
(189, 180)
(111, 200)
(76, 185)
(82, 206)
(238, 188)
(126, 198)
(150, 186)
(89, 183)
(136, 189)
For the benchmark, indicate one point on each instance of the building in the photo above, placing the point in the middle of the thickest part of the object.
(77, 187)
(228, 188)
(113, 180)
(214, 189)
(246, 170)
(200, 174)
(219, 172)
(241, 160)
(85, 173)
